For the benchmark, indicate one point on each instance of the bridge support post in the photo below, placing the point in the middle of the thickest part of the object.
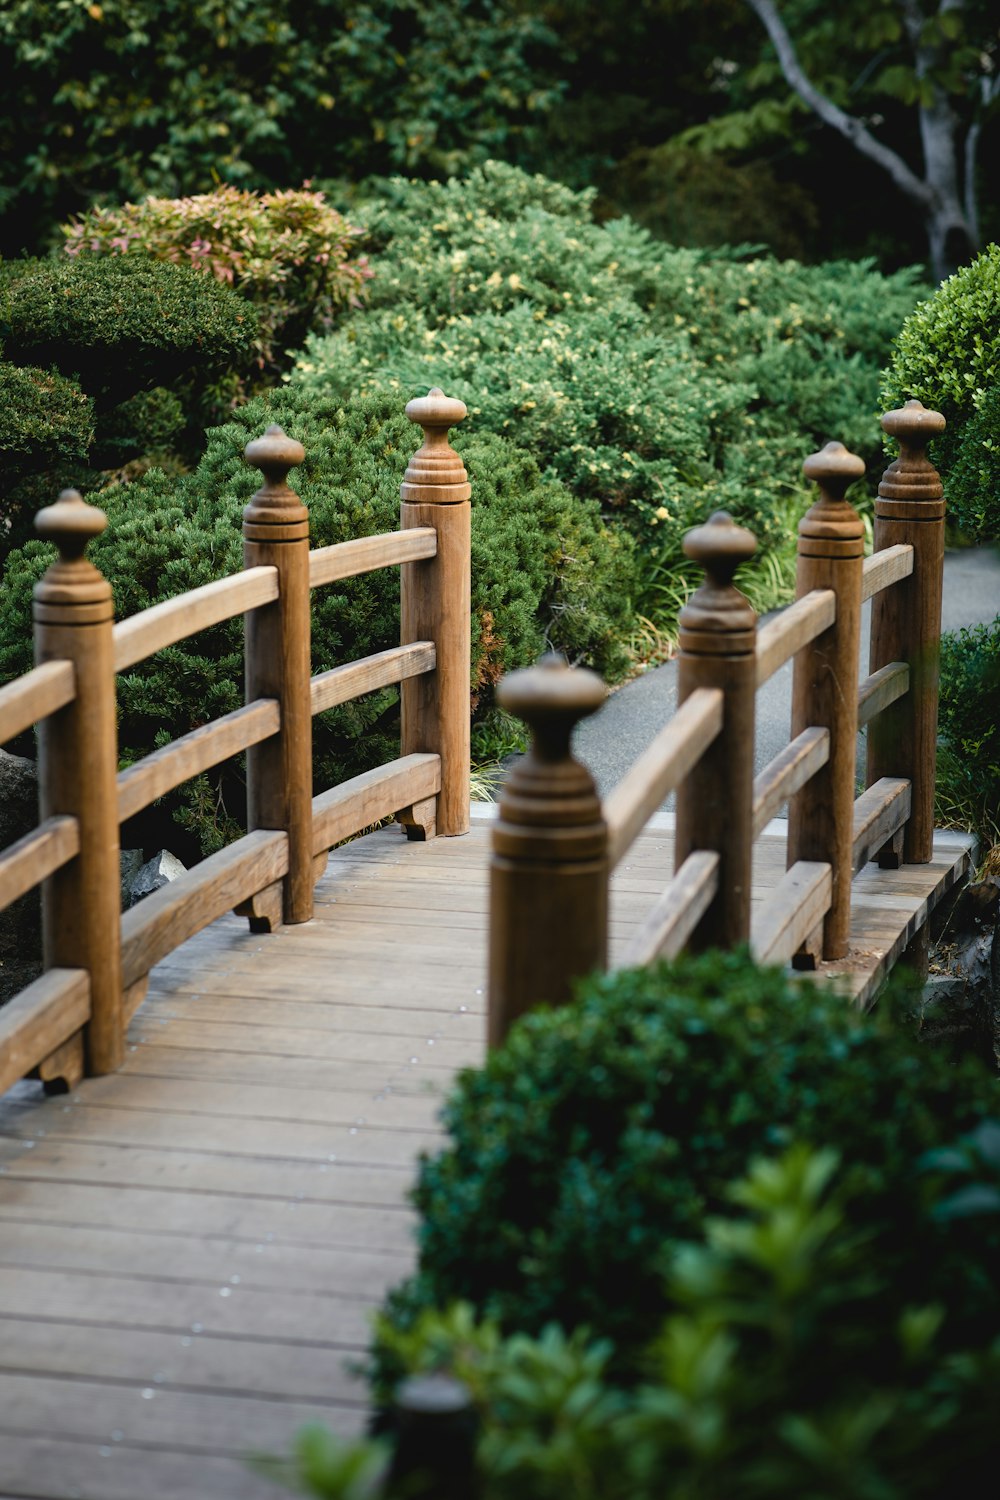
(435, 605)
(825, 687)
(715, 800)
(279, 770)
(906, 622)
(77, 774)
(549, 866)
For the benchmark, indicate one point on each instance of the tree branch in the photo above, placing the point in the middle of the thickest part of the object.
(851, 128)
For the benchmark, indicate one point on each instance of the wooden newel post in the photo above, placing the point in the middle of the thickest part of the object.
(549, 867)
(906, 620)
(825, 684)
(77, 774)
(279, 770)
(718, 642)
(435, 605)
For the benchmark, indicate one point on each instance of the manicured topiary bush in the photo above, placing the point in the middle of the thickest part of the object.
(968, 765)
(46, 428)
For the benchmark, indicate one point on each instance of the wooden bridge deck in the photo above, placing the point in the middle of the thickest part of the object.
(190, 1249)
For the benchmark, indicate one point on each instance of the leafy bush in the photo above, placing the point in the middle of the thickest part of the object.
(544, 572)
(286, 252)
(968, 764)
(948, 356)
(604, 1131)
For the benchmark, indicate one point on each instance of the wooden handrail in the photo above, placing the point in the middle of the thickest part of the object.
(881, 688)
(175, 620)
(793, 628)
(659, 769)
(43, 1017)
(40, 692)
(793, 911)
(37, 856)
(158, 773)
(790, 769)
(879, 813)
(384, 668)
(366, 799)
(677, 911)
(366, 553)
(884, 568)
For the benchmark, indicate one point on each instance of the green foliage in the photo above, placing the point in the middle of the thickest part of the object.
(286, 252)
(968, 763)
(604, 1131)
(46, 428)
(544, 572)
(948, 356)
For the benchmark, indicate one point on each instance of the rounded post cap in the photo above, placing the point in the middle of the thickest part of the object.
(834, 467)
(551, 689)
(719, 546)
(913, 424)
(436, 409)
(70, 523)
(275, 451)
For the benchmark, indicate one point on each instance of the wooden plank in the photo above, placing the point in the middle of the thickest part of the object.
(792, 911)
(32, 859)
(193, 753)
(170, 915)
(287, 1072)
(346, 809)
(787, 772)
(221, 1038)
(881, 688)
(371, 672)
(677, 912)
(34, 696)
(321, 1012)
(176, 619)
(878, 814)
(365, 553)
(886, 567)
(793, 628)
(39, 1019)
(660, 767)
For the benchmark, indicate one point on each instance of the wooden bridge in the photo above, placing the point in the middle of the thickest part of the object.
(204, 1193)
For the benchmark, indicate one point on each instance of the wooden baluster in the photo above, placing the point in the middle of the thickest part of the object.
(77, 774)
(279, 770)
(715, 800)
(906, 622)
(825, 688)
(435, 598)
(549, 866)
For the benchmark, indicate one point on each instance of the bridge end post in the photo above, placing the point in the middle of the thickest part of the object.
(279, 770)
(435, 605)
(906, 621)
(549, 864)
(718, 640)
(77, 775)
(825, 685)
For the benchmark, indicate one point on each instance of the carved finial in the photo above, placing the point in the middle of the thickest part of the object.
(830, 517)
(834, 468)
(912, 477)
(719, 546)
(436, 474)
(552, 697)
(913, 424)
(70, 524)
(274, 505)
(274, 454)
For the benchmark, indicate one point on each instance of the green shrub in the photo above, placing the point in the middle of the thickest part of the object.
(286, 252)
(968, 764)
(544, 572)
(604, 1131)
(948, 356)
(46, 428)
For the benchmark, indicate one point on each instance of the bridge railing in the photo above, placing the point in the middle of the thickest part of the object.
(96, 961)
(556, 845)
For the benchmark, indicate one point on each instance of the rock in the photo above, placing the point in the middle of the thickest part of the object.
(155, 873)
(18, 797)
(131, 864)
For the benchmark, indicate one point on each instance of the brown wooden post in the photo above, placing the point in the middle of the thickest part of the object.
(825, 684)
(279, 770)
(906, 621)
(435, 605)
(549, 867)
(77, 774)
(715, 801)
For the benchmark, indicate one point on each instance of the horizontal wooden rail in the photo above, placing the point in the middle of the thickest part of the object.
(39, 854)
(660, 767)
(793, 910)
(879, 813)
(346, 809)
(193, 753)
(886, 567)
(882, 688)
(34, 696)
(347, 559)
(677, 911)
(790, 769)
(371, 672)
(161, 922)
(176, 619)
(40, 1019)
(793, 628)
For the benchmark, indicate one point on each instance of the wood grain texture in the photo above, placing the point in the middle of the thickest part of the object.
(34, 696)
(366, 553)
(354, 805)
(881, 688)
(790, 769)
(39, 854)
(793, 628)
(878, 813)
(176, 619)
(381, 670)
(659, 768)
(193, 753)
(791, 912)
(43, 1016)
(884, 568)
(677, 911)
